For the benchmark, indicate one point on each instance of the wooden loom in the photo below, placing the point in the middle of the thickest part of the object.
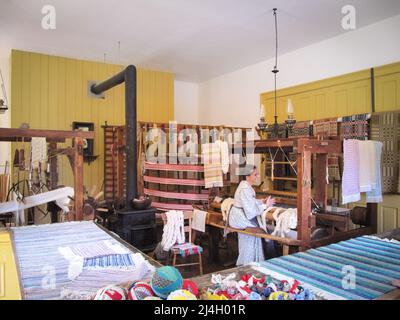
(171, 186)
(304, 149)
(75, 155)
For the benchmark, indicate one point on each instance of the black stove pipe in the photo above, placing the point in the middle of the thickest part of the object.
(129, 77)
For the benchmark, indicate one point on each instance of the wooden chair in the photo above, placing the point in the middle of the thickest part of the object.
(187, 216)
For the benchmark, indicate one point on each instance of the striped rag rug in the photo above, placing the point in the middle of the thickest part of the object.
(44, 270)
(376, 263)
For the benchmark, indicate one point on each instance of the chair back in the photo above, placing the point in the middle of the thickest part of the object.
(187, 216)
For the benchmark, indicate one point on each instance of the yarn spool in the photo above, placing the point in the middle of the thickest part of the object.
(166, 280)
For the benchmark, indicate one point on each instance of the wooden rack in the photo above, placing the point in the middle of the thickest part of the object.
(75, 155)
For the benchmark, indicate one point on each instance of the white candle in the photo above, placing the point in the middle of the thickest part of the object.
(262, 111)
(290, 107)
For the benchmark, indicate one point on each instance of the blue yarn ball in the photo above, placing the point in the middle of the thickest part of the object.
(166, 280)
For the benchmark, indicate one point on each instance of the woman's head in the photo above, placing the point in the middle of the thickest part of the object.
(252, 175)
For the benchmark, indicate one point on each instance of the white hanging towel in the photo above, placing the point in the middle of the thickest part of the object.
(173, 232)
(375, 195)
(367, 165)
(199, 220)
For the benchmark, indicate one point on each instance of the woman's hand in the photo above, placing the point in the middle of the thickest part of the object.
(270, 202)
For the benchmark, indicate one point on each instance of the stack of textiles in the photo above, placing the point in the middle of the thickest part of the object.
(354, 127)
(301, 129)
(385, 127)
(325, 128)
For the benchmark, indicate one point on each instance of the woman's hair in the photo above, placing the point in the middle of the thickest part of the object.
(250, 170)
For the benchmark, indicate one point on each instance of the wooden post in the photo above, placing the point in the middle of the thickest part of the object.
(321, 187)
(78, 177)
(53, 178)
(372, 216)
(303, 197)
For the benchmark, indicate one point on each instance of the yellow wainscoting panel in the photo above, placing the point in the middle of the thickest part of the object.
(334, 97)
(387, 87)
(50, 92)
(9, 282)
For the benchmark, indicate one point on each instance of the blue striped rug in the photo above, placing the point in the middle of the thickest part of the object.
(44, 271)
(376, 264)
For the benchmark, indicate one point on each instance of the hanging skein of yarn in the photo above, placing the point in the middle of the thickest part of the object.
(166, 280)
(111, 293)
(140, 291)
(173, 232)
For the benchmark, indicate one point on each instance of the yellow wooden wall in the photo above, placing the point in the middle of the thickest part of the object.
(9, 283)
(50, 92)
(343, 96)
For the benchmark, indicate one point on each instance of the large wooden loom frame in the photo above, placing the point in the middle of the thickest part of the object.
(189, 190)
(305, 148)
(75, 155)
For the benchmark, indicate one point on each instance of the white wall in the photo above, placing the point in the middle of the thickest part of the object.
(186, 102)
(5, 119)
(233, 99)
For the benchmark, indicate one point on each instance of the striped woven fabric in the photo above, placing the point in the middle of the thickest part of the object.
(355, 127)
(187, 249)
(301, 129)
(325, 127)
(385, 127)
(376, 263)
(211, 157)
(43, 270)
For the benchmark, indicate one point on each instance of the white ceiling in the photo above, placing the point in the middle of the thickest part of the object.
(195, 39)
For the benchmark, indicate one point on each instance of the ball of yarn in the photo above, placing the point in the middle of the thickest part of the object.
(111, 293)
(190, 286)
(166, 280)
(140, 291)
(181, 295)
(254, 296)
(152, 298)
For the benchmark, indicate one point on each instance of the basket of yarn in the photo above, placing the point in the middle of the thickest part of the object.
(166, 280)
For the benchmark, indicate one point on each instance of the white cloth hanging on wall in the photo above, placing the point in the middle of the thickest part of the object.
(38, 152)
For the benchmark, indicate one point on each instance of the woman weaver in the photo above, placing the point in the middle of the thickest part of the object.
(243, 214)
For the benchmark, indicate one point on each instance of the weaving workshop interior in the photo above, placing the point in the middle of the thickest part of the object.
(200, 150)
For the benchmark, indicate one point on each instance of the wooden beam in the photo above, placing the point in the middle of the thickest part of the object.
(321, 187)
(372, 216)
(340, 236)
(55, 135)
(78, 178)
(319, 146)
(303, 197)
